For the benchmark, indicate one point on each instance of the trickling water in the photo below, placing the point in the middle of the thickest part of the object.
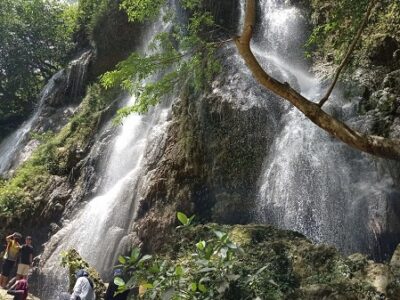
(311, 182)
(12, 151)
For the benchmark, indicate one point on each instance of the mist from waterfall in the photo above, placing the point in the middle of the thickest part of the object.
(311, 182)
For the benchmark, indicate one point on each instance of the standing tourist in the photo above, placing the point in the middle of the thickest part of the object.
(10, 257)
(26, 258)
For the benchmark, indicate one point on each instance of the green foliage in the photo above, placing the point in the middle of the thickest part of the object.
(181, 55)
(185, 221)
(72, 261)
(140, 10)
(22, 195)
(88, 14)
(209, 269)
(36, 37)
(336, 24)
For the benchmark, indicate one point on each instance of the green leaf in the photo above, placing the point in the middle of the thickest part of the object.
(122, 259)
(232, 245)
(219, 234)
(147, 286)
(193, 286)
(261, 269)
(201, 245)
(179, 271)
(182, 218)
(202, 288)
(119, 281)
(145, 258)
(191, 219)
(135, 254)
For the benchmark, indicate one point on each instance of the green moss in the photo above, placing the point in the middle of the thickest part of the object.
(74, 262)
(21, 197)
(240, 236)
(335, 25)
(278, 264)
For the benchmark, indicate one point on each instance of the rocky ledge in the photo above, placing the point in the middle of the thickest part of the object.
(279, 264)
(5, 296)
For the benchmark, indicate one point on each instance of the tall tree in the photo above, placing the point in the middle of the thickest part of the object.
(35, 41)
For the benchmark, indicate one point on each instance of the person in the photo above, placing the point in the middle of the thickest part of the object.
(83, 288)
(112, 288)
(26, 258)
(19, 290)
(10, 257)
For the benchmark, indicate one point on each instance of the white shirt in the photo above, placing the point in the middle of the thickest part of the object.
(83, 289)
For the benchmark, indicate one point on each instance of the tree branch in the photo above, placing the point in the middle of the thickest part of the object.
(387, 148)
(346, 59)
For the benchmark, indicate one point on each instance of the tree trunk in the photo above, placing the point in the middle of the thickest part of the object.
(379, 146)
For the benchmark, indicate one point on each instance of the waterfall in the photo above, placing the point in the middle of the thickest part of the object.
(101, 230)
(311, 182)
(12, 148)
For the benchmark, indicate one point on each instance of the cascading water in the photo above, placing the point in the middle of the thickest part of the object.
(10, 147)
(101, 230)
(12, 151)
(311, 182)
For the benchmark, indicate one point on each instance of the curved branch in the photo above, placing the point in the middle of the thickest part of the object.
(379, 146)
(353, 45)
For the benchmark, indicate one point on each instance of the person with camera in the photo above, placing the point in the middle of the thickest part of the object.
(10, 257)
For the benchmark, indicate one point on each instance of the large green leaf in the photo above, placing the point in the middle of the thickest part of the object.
(182, 218)
(119, 281)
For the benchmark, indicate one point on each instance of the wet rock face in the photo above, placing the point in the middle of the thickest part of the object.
(382, 52)
(114, 38)
(212, 158)
(226, 13)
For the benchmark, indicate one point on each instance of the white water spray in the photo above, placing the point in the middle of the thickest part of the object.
(102, 229)
(311, 182)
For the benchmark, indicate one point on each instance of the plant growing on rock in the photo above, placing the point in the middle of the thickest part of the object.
(181, 54)
(208, 269)
(73, 262)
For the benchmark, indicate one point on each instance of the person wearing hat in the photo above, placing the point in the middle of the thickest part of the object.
(10, 257)
(112, 288)
(84, 287)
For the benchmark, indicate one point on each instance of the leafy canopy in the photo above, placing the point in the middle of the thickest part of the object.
(336, 24)
(36, 37)
(184, 53)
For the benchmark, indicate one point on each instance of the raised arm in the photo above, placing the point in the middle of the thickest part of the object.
(10, 237)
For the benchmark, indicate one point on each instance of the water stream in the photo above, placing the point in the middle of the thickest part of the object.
(12, 152)
(101, 229)
(311, 182)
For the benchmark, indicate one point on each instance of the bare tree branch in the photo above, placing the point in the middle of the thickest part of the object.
(379, 146)
(353, 45)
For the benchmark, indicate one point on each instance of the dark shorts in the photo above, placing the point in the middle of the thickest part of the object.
(7, 267)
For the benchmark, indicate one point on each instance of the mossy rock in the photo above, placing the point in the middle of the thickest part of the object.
(73, 261)
(295, 268)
